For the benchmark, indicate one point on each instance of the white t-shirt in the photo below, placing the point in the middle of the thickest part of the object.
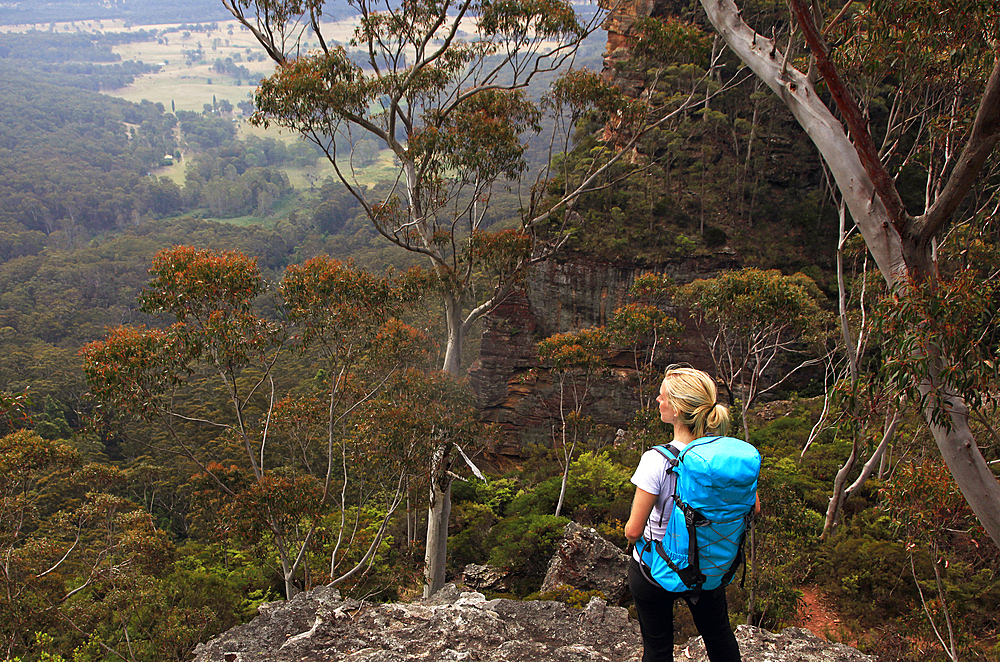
(651, 476)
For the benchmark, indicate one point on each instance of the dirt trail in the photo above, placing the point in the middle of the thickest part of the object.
(816, 616)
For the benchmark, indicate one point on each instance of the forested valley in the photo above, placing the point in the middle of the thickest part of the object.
(221, 392)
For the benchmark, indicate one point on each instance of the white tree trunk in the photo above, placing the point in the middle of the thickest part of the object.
(436, 553)
(966, 462)
(839, 494)
(956, 442)
(456, 335)
(878, 457)
(438, 514)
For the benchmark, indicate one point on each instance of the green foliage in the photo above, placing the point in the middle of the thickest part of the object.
(497, 494)
(871, 581)
(728, 173)
(237, 580)
(786, 537)
(473, 522)
(753, 323)
(753, 302)
(582, 351)
(923, 500)
(102, 560)
(540, 500)
(949, 323)
(70, 163)
(523, 545)
(264, 480)
(597, 490)
(602, 488)
(785, 434)
(673, 38)
(334, 303)
(571, 596)
(32, 536)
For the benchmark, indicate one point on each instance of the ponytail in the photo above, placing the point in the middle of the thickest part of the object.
(693, 395)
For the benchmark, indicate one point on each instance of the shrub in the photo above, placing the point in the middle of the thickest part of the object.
(871, 579)
(787, 541)
(473, 522)
(523, 545)
(462, 491)
(539, 501)
(569, 595)
(497, 494)
(598, 491)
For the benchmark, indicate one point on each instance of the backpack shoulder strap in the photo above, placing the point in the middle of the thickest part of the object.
(672, 455)
(668, 450)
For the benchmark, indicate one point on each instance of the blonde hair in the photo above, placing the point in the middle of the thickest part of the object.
(693, 395)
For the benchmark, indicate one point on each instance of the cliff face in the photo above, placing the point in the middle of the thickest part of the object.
(320, 625)
(765, 211)
(619, 25)
(563, 296)
(619, 22)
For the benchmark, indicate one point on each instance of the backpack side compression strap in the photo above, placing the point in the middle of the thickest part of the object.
(741, 556)
(692, 576)
(672, 463)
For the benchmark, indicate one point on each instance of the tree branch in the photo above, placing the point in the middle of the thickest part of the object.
(885, 187)
(266, 41)
(825, 130)
(979, 145)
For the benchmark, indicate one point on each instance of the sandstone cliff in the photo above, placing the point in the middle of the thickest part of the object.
(565, 295)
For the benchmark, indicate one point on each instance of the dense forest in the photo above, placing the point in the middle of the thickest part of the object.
(218, 394)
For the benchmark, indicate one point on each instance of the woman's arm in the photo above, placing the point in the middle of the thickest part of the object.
(642, 505)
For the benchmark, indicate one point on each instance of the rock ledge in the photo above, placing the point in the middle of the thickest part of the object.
(319, 625)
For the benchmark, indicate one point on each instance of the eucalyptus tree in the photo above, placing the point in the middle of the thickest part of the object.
(444, 84)
(578, 359)
(912, 88)
(752, 322)
(646, 331)
(212, 385)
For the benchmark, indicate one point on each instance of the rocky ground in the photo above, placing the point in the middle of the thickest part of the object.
(320, 625)
(457, 624)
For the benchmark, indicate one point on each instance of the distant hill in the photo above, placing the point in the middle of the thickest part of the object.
(148, 11)
(145, 12)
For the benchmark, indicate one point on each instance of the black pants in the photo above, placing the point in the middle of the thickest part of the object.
(655, 607)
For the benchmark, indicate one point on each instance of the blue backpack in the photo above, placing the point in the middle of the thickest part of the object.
(714, 500)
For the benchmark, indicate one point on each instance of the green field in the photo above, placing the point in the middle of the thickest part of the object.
(187, 86)
(180, 85)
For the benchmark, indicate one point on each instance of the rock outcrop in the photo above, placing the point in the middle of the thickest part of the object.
(620, 26)
(587, 562)
(484, 578)
(321, 626)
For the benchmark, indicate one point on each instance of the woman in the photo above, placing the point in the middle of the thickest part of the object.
(687, 401)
